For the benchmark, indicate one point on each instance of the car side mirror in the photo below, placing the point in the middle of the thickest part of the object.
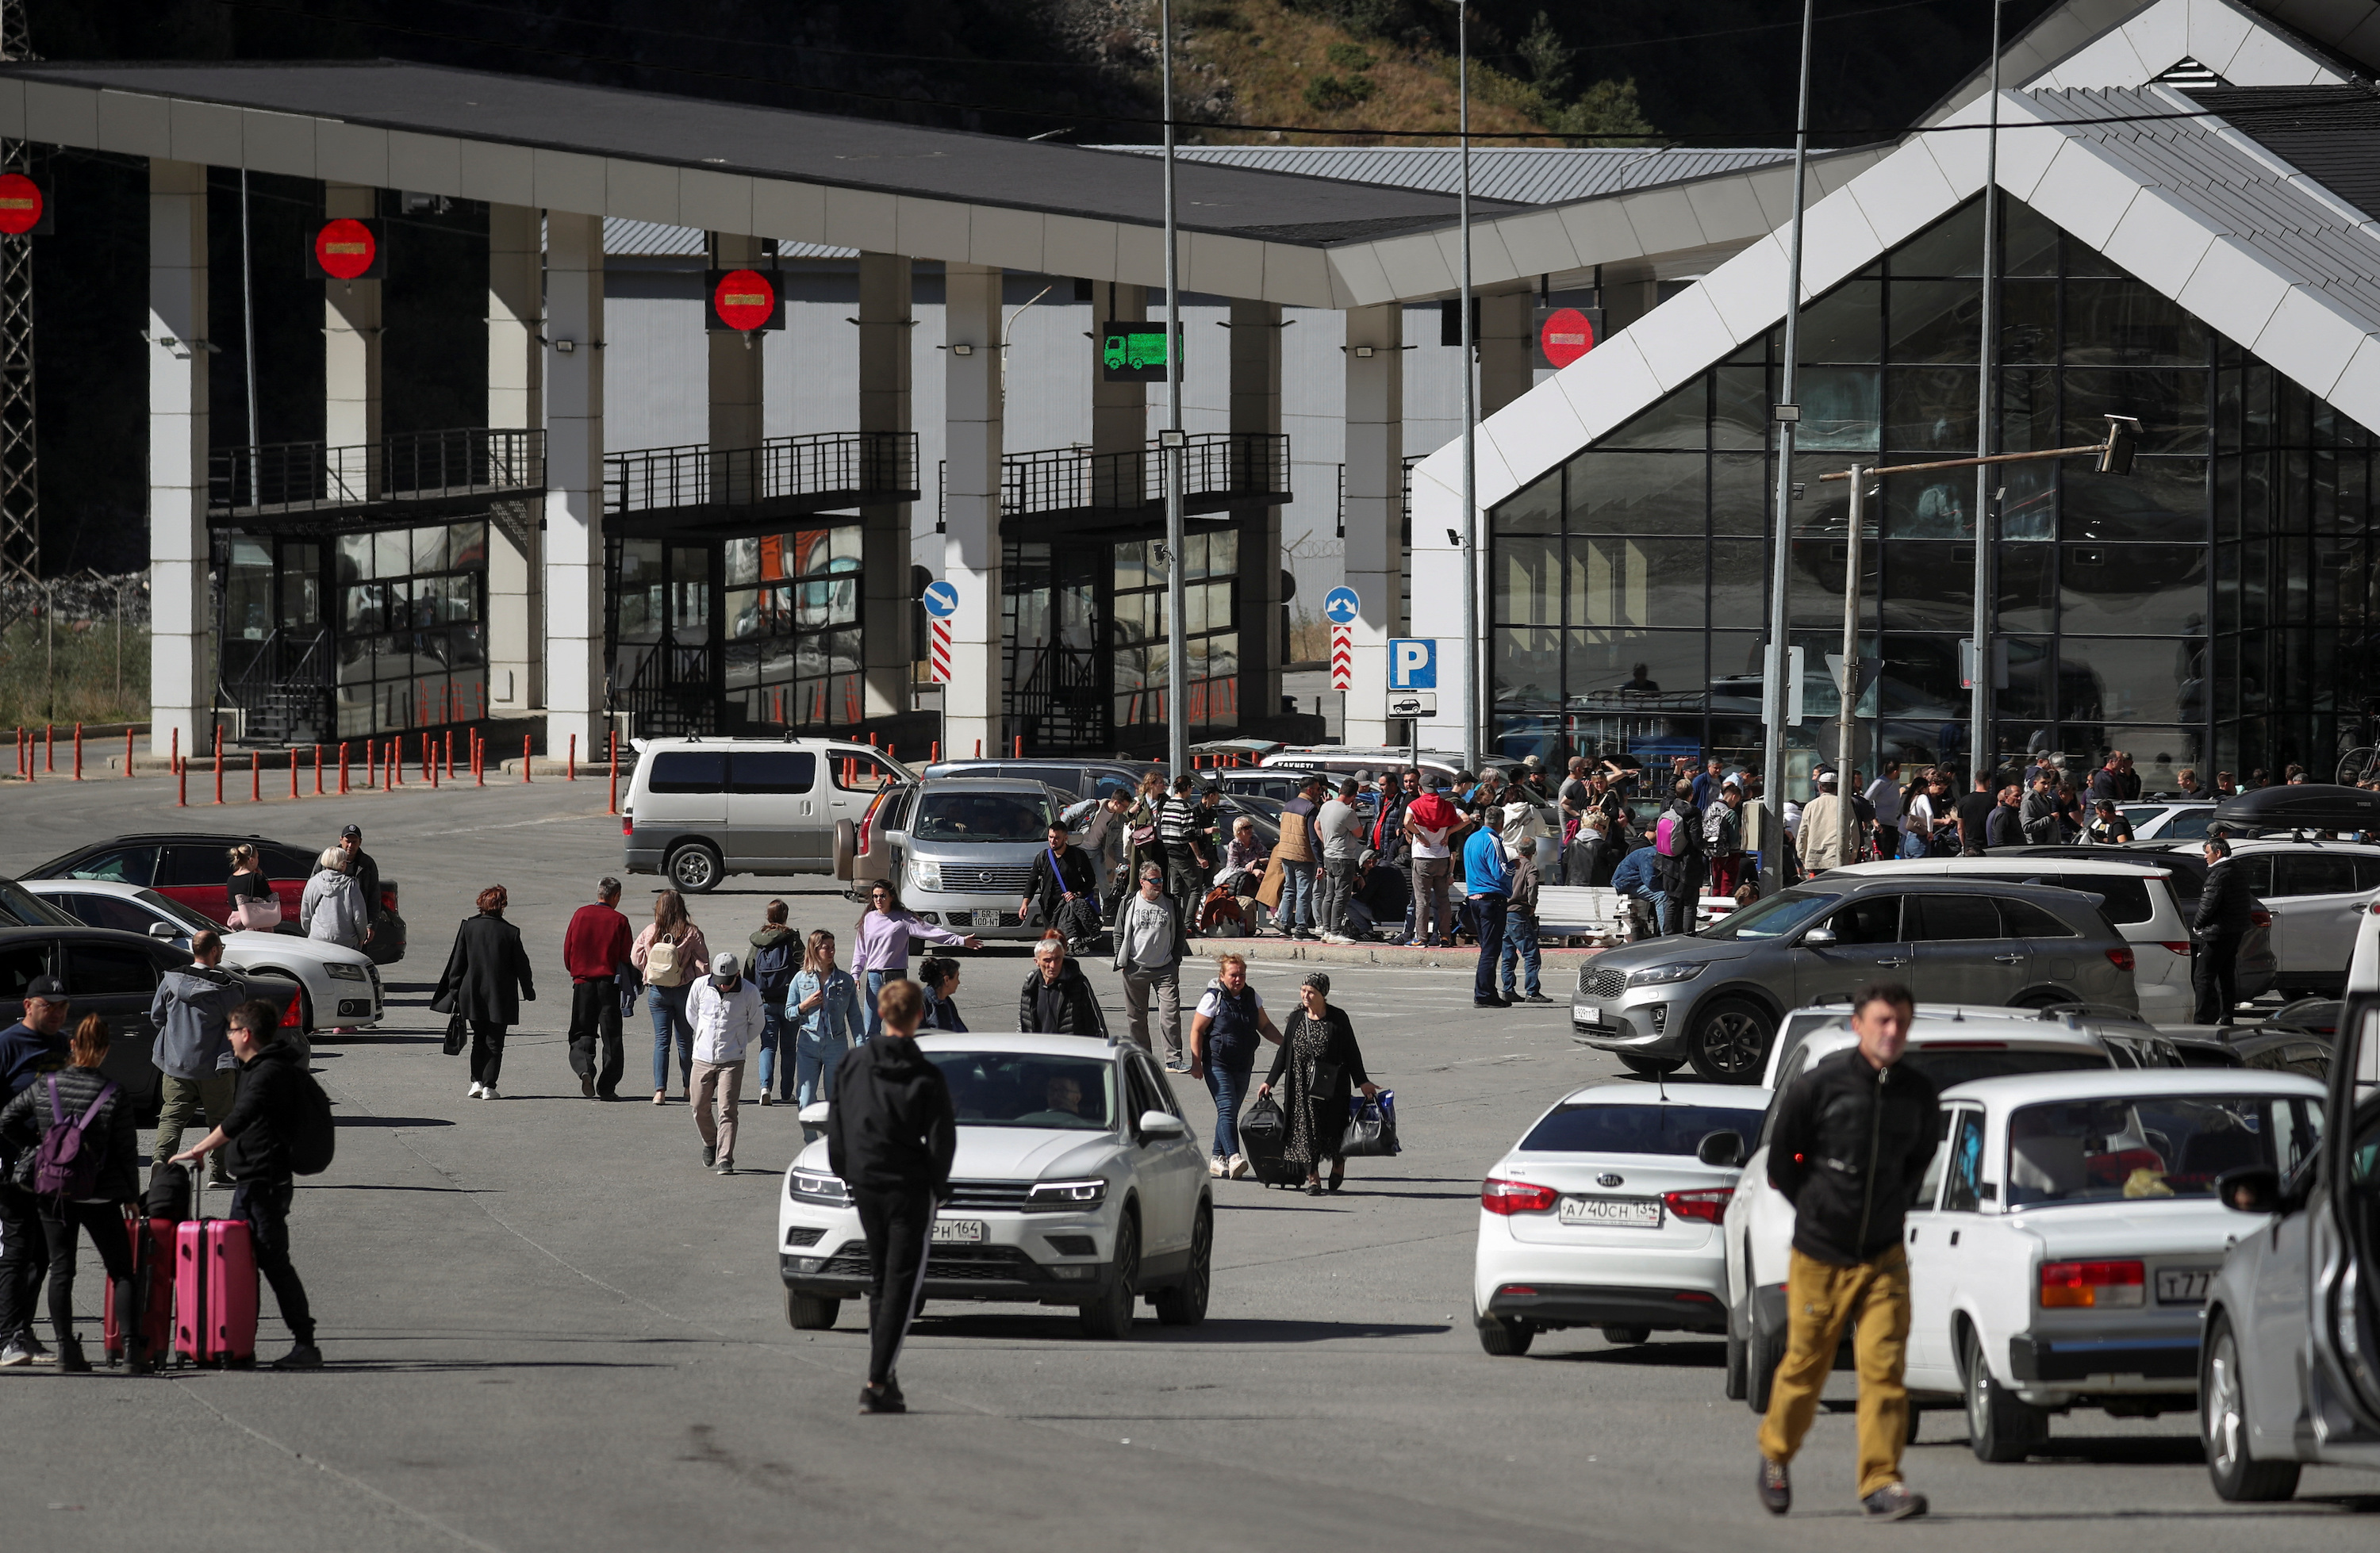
(2255, 1189)
(1724, 1147)
(165, 931)
(1818, 938)
(1157, 1124)
(813, 1114)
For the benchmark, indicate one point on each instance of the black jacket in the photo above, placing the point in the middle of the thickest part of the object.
(366, 873)
(487, 976)
(1069, 1008)
(2005, 828)
(256, 1131)
(2224, 902)
(889, 1123)
(110, 1135)
(1331, 1082)
(1081, 876)
(1684, 871)
(1851, 1145)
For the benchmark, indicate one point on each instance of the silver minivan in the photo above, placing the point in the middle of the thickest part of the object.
(700, 808)
(961, 850)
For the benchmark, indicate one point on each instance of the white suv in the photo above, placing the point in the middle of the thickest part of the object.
(2317, 892)
(1076, 1184)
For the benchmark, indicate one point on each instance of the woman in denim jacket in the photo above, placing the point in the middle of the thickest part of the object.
(823, 1008)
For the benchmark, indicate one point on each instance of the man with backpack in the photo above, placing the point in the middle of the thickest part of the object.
(193, 1049)
(279, 1128)
(776, 959)
(1064, 889)
(1679, 856)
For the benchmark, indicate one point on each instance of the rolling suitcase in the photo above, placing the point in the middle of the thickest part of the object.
(1263, 1133)
(214, 1289)
(153, 1293)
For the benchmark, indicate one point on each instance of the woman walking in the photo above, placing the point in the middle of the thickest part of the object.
(1227, 1031)
(941, 980)
(882, 952)
(332, 910)
(823, 1011)
(669, 954)
(1319, 1068)
(79, 1093)
(254, 907)
(486, 980)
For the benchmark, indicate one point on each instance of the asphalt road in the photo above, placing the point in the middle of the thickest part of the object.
(551, 1329)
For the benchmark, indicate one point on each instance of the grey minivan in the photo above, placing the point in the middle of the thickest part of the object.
(1714, 998)
(963, 849)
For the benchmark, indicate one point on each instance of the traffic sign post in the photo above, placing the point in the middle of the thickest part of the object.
(1413, 664)
(742, 302)
(1341, 606)
(1413, 703)
(347, 250)
(942, 601)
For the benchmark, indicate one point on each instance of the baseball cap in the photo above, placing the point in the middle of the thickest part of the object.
(355, 830)
(724, 966)
(48, 988)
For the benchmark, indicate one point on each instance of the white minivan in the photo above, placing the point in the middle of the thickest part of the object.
(703, 808)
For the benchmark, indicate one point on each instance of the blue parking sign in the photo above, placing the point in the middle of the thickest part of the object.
(1412, 663)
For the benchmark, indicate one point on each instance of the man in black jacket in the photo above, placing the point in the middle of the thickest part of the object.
(1057, 999)
(1850, 1142)
(255, 1140)
(2225, 904)
(890, 1137)
(1066, 887)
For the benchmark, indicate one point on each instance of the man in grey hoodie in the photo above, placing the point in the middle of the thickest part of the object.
(192, 1012)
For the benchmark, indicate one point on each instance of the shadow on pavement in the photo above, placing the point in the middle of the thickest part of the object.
(1656, 1355)
(1060, 1325)
(393, 1121)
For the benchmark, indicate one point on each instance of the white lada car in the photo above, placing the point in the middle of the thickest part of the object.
(1077, 1183)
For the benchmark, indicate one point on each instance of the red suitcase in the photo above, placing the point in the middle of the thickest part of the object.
(214, 1290)
(152, 1291)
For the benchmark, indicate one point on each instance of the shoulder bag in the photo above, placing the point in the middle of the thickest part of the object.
(1371, 1127)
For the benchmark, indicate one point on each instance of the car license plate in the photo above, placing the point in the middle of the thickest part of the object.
(957, 1231)
(2183, 1286)
(1627, 1213)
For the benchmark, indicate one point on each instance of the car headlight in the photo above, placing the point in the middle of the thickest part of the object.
(1051, 1195)
(818, 1186)
(1658, 975)
(340, 971)
(927, 873)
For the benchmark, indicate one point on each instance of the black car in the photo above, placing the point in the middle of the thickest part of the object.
(115, 976)
(1084, 779)
(193, 867)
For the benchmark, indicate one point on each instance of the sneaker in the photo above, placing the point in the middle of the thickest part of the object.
(661, 1097)
(587, 1085)
(489, 1093)
(304, 1356)
(1537, 998)
(1238, 1169)
(1776, 1487)
(472, 1093)
(710, 1155)
(764, 1098)
(880, 1399)
(39, 1349)
(14, 1354)
(1894, 1501)
(1177, 1065)
(726, 1167)
(1215, 1167)
(1336, 938)
(1489, 1002)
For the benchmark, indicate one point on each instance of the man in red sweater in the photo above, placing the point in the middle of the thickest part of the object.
(595, 948)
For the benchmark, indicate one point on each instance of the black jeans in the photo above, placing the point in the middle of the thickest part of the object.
(105, 1222)
(595, 1019)
(1488, 921)
(487, 1051)
(2214, 975)
(24, 1256)
(263, 1206)
(896, 1225)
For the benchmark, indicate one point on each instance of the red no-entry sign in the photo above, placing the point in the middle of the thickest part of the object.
(20, 204)
(1565, 335)
(347, 249)
(743, 300)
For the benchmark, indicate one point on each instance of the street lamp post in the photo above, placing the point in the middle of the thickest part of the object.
(1980, 746)
(1478, 662)
(1171, 442)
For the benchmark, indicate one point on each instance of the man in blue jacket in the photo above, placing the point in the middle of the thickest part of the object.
(1488, 880)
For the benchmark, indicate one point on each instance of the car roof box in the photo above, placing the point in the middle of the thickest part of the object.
(2307, 806)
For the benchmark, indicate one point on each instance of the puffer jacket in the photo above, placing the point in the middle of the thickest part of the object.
(111, 1133)
(724, 1023)
(1073, 1008)
(1851, 1145)
(190, 1012)
(333, 909)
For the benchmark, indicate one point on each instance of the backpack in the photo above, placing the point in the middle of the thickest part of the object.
(772, 968)
(313, 1137)
(62, 1166)
(662, 968)
(1669, 837)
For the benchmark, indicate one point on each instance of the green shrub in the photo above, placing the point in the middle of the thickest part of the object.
(1327, 94)
(1350, 57)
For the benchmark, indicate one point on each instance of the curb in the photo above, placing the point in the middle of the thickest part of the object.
(1270, 951)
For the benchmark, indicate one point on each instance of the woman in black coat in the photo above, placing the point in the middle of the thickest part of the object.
(1057, 998)
(1319, 1068)
(486, 980)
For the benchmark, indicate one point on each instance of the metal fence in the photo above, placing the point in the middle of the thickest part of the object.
(414, 466)
(75, 649)
(822, 464)
(1215, 464)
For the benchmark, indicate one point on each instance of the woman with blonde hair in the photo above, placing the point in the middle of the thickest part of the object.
(254, 907)
(670, 954)
(486, 980)
(1226, 1033)
(333, 909)
(823, 1008)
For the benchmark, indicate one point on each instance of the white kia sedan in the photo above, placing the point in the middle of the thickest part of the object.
(341, 986)
(1076, 1184)
(2069, 1232)
(1605, 1215)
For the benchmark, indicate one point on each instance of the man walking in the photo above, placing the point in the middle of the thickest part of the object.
(1148, 958)
(1852, 1140)
(1429, 822)
(191, 1013)
(30, 1048)
(1521, 929)
(2225, 905)
(890, 1135)
(725, 1011)
(363, 870)
(1342, 849)
(1818, 838)
(1486, 877)
(1064, 888)
(595, 952)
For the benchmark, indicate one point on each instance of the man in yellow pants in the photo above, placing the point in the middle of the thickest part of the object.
(1852, 1138)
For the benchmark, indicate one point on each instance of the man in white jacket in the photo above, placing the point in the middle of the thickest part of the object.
(724, 1009)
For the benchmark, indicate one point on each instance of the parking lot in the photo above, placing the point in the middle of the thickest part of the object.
(550, 1327)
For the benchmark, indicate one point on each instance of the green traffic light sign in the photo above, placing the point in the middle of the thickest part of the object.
(1132, 353)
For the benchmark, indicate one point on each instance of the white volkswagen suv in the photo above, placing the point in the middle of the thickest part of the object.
(1077, 1183)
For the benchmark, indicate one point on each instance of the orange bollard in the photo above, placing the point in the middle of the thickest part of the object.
(1020, 746)
(255, 777)
(342, 767)
(50, 747)
(173, 751)
(218, 763)
(318, 770)
(570, 772)
(181, 785)
(450, 755)
(525, 758)
(871, 740)
(934, 755)
(479, 760)
(78, 752)
(612, 743)
(371, 764)
(979, 749)
(127, 752)
(391, 768)
(293, 771)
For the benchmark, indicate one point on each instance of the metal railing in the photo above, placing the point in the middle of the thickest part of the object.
(413, 466)
(1404, 499)
(1214, 464)
(821, 463)
(284, 686)
(670, 692)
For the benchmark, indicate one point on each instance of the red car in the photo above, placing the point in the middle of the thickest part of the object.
(193, 868)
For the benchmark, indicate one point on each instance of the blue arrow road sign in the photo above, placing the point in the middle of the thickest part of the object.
(942, 599)
(1412, 663)
(1342, 605)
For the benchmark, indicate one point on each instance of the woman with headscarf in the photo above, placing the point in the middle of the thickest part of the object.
(1318, 1067)
(486, 980)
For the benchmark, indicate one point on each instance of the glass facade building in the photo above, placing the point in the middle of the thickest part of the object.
(2210, 609)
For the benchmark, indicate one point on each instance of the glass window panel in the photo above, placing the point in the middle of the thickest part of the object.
(2032, 679)
(1680, 419)
(1931, 410)
(743, 666)
(2256, 584)
(1935, 321)
(359, 609)
(1528, 581)
(2256, 405)
(429, 549)
(1739, 571)
(2143, 589)
(2081, 259)
(2169, 403)
(2227, 498)
(1816, 594)
(2131, 679)
(2255, 495)
(1637, 582)
(1635, 671)
(2123, 324)
(745, 612)
(2022, 575)
(1193, 608)
(1223, 653)
(354, 558)
(1222, 553)
(1839, 409)
(2161, 499)
(2158, 754)
(1536, 510)
(1952, 246)
(1740, 413)
(1636, 494)
(843, 546)
(2028, 321)
(1741, 491)
(1131, 565)
(1843, 325)
(743, 561)
(2028, 240)
(1528, 667)
(1937, 505)
(467, 545)
(1928, 587)
(1920, 684)
(392, 554)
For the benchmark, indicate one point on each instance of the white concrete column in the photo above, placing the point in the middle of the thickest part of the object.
(351, 334)
(972, 702)
(574, 480)
(1119, 411)
(735, 382)
(1504, 350)
(1256, 407)
(181, 646)
(516, 399)
(886, 599)
(1375, 563)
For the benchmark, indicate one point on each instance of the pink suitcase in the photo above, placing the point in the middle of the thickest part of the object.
(214, 1290)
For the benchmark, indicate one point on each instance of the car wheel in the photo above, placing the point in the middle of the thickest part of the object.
(1504, 1337)
(1727, 1042)
(1108, 1317)
(2223, 1421)
(810, 1313)
(1649, 1067)
(1999, 1427)
(1760, 1356)
(1185, 1304)
(694, 869)
(1739, 1364)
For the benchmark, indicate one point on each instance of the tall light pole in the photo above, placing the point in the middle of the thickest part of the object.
(1478, 662)
(1979, 699)
(1774, 698)
(1171, 442)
